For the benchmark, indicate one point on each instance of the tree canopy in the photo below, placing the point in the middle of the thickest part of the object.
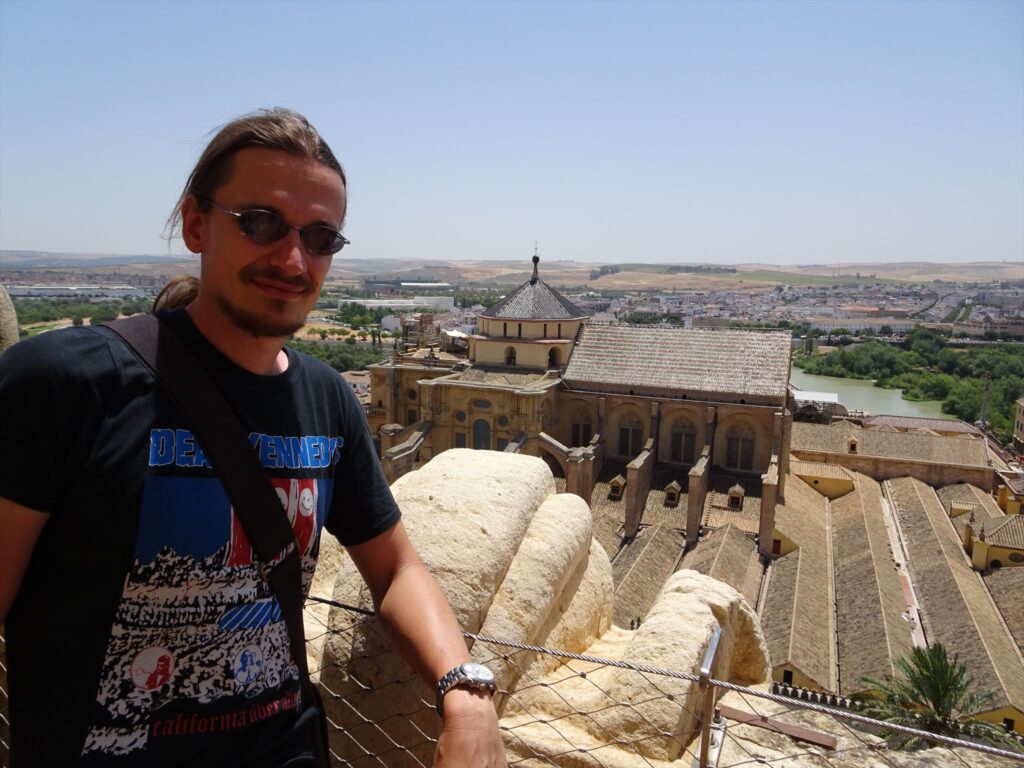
(930, 692)
(926, 367)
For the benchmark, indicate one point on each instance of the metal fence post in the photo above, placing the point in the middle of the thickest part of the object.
(709, 695)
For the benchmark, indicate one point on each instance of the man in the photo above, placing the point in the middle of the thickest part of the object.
(120, 555)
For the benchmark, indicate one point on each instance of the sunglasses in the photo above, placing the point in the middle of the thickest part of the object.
(265, 227)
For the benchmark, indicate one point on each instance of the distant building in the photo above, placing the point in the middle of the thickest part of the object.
(899, 325)
(442, 303)
(79, 291)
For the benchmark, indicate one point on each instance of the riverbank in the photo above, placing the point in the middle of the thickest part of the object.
(863, 395)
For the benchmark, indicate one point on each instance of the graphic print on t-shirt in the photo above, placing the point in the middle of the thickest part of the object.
(198, 645)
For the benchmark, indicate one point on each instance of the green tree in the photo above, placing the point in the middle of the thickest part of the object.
(930, 692)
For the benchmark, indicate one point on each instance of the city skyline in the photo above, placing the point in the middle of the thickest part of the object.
(775, 133)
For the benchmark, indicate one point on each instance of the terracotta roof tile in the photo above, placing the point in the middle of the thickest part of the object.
(913, 422)
(535, 300)
(681, 361)
(798, 615)
(641, 569)
(729, 556)
(1006, 585)
(869, 597)
(958, 610)
(885, 444)
(1006, 532)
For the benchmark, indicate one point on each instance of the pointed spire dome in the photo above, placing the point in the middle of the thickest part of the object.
(535, 300)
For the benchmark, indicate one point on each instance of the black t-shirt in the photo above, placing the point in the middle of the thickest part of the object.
(142, 633)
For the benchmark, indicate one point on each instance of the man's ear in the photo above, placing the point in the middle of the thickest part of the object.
(193, 224)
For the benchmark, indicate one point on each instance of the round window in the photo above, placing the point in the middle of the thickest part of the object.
(503, 421)
(460, 415)
(412, 394)
(1016, 557)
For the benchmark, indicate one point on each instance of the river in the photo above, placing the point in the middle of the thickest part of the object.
(862, 395)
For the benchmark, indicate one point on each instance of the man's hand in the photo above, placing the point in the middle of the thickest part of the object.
(469, 736)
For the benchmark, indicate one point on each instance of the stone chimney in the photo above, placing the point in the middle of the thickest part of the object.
(769, 495)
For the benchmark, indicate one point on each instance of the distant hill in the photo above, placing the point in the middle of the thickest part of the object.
(44, 259)
(565, 274)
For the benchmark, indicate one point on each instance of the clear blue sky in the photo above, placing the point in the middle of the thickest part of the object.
(710, 132)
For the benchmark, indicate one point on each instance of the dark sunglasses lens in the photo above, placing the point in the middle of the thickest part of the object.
(323, 241)
(262, 226)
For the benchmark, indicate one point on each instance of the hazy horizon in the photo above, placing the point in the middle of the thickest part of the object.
(524, 261)
(775, 133)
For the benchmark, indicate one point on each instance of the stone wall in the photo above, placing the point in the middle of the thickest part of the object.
(935, 475)
(527, 569)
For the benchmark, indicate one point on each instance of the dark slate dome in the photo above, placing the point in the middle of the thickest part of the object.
(535, 300)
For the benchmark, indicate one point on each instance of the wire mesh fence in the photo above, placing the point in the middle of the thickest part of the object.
(576, 711)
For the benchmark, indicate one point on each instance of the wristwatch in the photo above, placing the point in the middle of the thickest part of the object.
(470, 675)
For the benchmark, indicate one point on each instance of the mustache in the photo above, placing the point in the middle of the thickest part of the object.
(253, 272)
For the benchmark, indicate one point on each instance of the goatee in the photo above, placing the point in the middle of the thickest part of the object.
(258, 325)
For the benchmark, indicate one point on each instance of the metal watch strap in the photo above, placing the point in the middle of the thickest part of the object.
(456, 676)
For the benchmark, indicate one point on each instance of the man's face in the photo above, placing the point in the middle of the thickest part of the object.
(265, 290)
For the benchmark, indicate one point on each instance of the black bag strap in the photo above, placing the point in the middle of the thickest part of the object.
(223, 439)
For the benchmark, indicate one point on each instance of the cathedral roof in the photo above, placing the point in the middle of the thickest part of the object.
(896, 446)
(958, 610)
(535, 300)
(681, 360)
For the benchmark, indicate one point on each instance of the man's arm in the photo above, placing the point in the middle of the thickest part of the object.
(418, 619)
(19, 530)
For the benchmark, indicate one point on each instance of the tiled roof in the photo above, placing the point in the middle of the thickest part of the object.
(730, 556)
(1007, 532)
(818, 469)
(479, 375)
(1006, 585)
(681, 360)
(886, 444)
(1014, 481)
(983, 505)
(640, 570)
(869, 597)
(913, 422)
(655, 512)
(718, 513)
(798, 615)
(535, 300)
(958, 611)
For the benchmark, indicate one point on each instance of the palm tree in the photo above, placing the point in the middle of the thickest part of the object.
(930, 692)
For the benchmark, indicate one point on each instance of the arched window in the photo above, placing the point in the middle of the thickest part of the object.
(482, 435)
(682, 442)
(630, 436)
(739, 447)
(510, 355)
(582, 428)
(553, 358)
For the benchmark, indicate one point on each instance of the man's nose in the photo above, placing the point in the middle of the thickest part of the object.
(289, 254)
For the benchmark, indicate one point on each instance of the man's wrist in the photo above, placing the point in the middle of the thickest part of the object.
(462, 702)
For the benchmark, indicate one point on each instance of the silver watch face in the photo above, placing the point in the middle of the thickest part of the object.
(478, 672)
